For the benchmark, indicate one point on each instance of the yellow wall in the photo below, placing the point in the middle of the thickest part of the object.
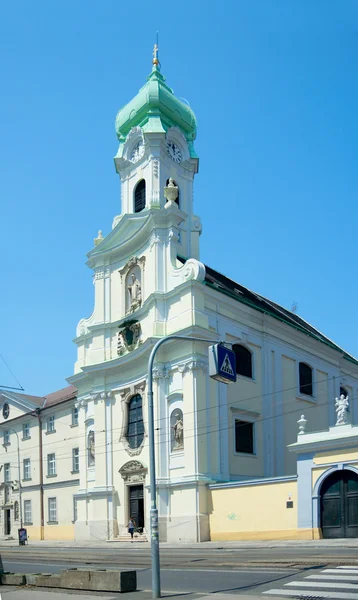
(338, 456)
(255, 512)
(51, 532)
(59, 532)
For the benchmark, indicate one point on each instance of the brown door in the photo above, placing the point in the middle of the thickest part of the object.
(7, 521)
(339, 505)
(136, 505)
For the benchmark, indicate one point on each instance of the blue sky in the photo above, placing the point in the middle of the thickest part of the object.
(274, 87)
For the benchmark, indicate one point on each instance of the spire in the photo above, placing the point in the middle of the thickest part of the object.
(155, 61)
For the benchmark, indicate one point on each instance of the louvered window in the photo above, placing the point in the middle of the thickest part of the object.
(139, 196)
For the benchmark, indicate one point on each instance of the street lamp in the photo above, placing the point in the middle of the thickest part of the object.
(154, 532)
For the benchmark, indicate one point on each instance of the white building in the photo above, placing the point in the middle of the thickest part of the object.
(149, 283)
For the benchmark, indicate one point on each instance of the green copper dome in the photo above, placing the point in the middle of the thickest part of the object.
(155, 109)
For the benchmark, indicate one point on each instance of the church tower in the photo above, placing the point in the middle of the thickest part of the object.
(156, 161)
(147, 276)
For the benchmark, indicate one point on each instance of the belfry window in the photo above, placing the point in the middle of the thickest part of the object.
(306, 379)
(139, 196)
(135, 430)
(243, 360)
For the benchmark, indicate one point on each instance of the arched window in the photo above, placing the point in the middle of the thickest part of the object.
(135, 430)
(243, 360)
(178, 198)
(139, 196)
(343, 391)
(306, 379)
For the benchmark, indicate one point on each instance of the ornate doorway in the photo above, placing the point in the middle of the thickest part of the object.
(339, 505)
(134, 473)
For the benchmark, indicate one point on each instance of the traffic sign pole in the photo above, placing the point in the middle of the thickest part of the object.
(154, 528)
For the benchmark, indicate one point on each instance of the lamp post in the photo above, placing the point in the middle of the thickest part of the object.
(154, 532)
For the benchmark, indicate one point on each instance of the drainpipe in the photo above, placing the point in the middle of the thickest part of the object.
(38, 414)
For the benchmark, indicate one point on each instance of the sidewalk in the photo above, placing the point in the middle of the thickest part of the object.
(326, 543)
(41, 594)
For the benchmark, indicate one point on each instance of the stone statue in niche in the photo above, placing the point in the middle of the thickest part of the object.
(91, 449)
(134, 291)
(177, 442)
(342, 407)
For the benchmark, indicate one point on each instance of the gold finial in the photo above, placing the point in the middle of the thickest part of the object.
(155, 55)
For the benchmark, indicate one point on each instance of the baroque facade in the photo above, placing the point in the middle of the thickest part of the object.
(212, 440)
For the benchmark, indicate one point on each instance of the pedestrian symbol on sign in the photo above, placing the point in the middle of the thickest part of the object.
(222, 363)
(226, 366)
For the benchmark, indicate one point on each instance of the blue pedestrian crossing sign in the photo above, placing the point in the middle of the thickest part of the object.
(222, 363)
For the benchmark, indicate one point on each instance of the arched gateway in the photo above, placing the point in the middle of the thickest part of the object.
(339, 505)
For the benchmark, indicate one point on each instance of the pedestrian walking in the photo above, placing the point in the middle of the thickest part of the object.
(131, 527)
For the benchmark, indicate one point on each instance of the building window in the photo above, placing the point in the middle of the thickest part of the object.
(342, 392)
(75, 460)
(52, 510)
(74, 416)
(244, 436)
(306, 379)
(51, 465)
(7, 438)
(7, 473)
(51, 424)
(26, 431)
(75, 516)
(27, 469)
(243, 360)
(135, 431)
(27, 512)
(139, 196)
(16, 511)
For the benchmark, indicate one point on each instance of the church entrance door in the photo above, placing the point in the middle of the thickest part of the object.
(7, 521)
(339, 505)
(136, 505)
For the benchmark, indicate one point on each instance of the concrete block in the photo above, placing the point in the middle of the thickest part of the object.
(13, 579)
(114, 581)
(76, 579)
(31, 577)
(47, 580)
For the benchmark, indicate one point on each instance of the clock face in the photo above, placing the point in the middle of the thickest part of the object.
(174, 151)
(5, 410)
(137, 151)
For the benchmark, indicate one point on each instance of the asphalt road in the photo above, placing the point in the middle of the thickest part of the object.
(177, 580)
(226, 570)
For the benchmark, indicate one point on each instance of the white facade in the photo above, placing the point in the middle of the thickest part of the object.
(149, 283)
(178, 296)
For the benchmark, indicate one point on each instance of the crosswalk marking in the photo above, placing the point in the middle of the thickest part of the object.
(328, 583)
(338, 577)
(349, 571)
(324, 584)
(321, 594)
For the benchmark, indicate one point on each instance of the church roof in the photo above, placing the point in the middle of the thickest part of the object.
(235, 290)
(155, 108)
